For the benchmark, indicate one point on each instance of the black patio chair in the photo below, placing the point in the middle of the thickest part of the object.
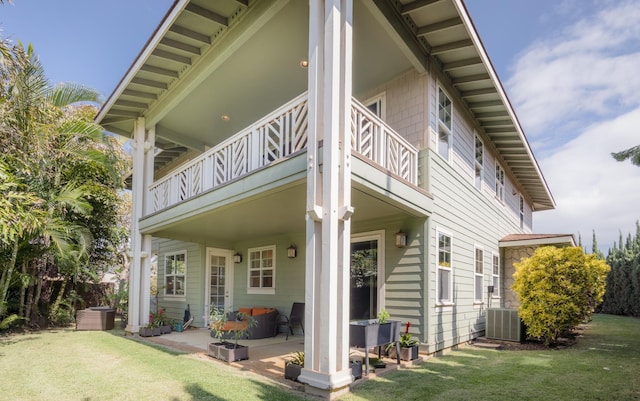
(296, 317)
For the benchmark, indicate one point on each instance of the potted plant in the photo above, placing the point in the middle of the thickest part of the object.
(374, 333)
(155, 322)
(408, 346)
(162, 322)
(222, 327)
(293, 366)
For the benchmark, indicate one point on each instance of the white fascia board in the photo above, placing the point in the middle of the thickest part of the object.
(560, 240)
(152, 43)
(473, 34)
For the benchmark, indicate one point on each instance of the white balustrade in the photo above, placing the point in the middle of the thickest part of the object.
(374, 139)
(275, 137)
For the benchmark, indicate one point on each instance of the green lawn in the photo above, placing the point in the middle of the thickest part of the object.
(93, 366)
(604, 365)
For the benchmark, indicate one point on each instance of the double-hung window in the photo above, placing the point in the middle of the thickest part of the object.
(175, 272)
(444, 124)
(479, 146)
(445, 269)
(262, 270)
(496, 275)
(478, 274)
(499, 183)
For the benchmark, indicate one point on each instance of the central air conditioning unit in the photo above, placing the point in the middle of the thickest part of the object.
(505, 324)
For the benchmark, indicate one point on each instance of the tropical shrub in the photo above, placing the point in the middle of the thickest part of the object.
(558, 289)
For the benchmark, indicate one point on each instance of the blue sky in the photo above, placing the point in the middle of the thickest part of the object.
(570, 68)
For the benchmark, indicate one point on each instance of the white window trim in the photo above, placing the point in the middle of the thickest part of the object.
(477, 164)
(381, 99)
(496, 289)
(478, 300)
(164, 267)
(261, 290)
(449, 130)
(500, 186)
(449, 302)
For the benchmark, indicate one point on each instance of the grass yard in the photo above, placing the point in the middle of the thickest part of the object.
(604, 365)
(93, 366)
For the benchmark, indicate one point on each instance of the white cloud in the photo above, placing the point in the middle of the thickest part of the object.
(577, 94)
(592, 190)
(586, 70)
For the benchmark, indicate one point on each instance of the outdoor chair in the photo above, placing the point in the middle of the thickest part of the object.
(296, 317)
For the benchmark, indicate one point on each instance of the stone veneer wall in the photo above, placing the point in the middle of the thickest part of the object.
(511, 256)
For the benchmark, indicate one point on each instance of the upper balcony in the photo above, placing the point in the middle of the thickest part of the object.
(274, 138)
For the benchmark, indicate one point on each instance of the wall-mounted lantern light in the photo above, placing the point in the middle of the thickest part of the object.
(237, 258)
(291, 252)
(401, 239)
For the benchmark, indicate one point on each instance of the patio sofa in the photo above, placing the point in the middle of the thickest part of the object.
(266, 319)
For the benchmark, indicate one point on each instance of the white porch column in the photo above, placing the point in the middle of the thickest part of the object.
(134, 319)
(328, 198)
(146, 251)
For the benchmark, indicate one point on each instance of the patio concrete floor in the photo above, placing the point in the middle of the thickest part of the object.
(266, 356)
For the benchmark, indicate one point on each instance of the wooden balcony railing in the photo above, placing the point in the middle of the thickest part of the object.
(275, 137)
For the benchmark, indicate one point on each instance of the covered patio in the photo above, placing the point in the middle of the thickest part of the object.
(267, 356)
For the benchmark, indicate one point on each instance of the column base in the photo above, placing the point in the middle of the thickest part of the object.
(132, 329)
(328, 395)
(326, 386)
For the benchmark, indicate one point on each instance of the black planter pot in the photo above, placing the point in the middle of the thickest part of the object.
(292, 371)
(356, 370)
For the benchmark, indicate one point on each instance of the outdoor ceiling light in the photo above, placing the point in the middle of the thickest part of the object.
(401, 239)
(237, 258)
(291, 252)
(304, 63)
(225, 117)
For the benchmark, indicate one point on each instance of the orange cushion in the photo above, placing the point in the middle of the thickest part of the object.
(235, 326)
(260, 311)
(246, 311)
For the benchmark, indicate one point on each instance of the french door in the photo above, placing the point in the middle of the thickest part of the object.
(219, 280)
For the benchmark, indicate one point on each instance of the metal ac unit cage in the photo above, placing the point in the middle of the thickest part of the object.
(505, 324)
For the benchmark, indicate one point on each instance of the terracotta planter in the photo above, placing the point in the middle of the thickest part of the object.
(228, 351)
(406, 353)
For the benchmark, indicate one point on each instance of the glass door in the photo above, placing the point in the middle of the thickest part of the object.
(365, 268)
(219, 280)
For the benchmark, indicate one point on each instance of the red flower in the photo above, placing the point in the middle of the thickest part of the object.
(406, 331)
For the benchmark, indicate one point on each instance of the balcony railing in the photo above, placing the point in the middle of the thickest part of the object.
(375, 140)
(273, 138)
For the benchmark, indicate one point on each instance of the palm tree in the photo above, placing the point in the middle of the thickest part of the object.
(632, 154)
(44, 136)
